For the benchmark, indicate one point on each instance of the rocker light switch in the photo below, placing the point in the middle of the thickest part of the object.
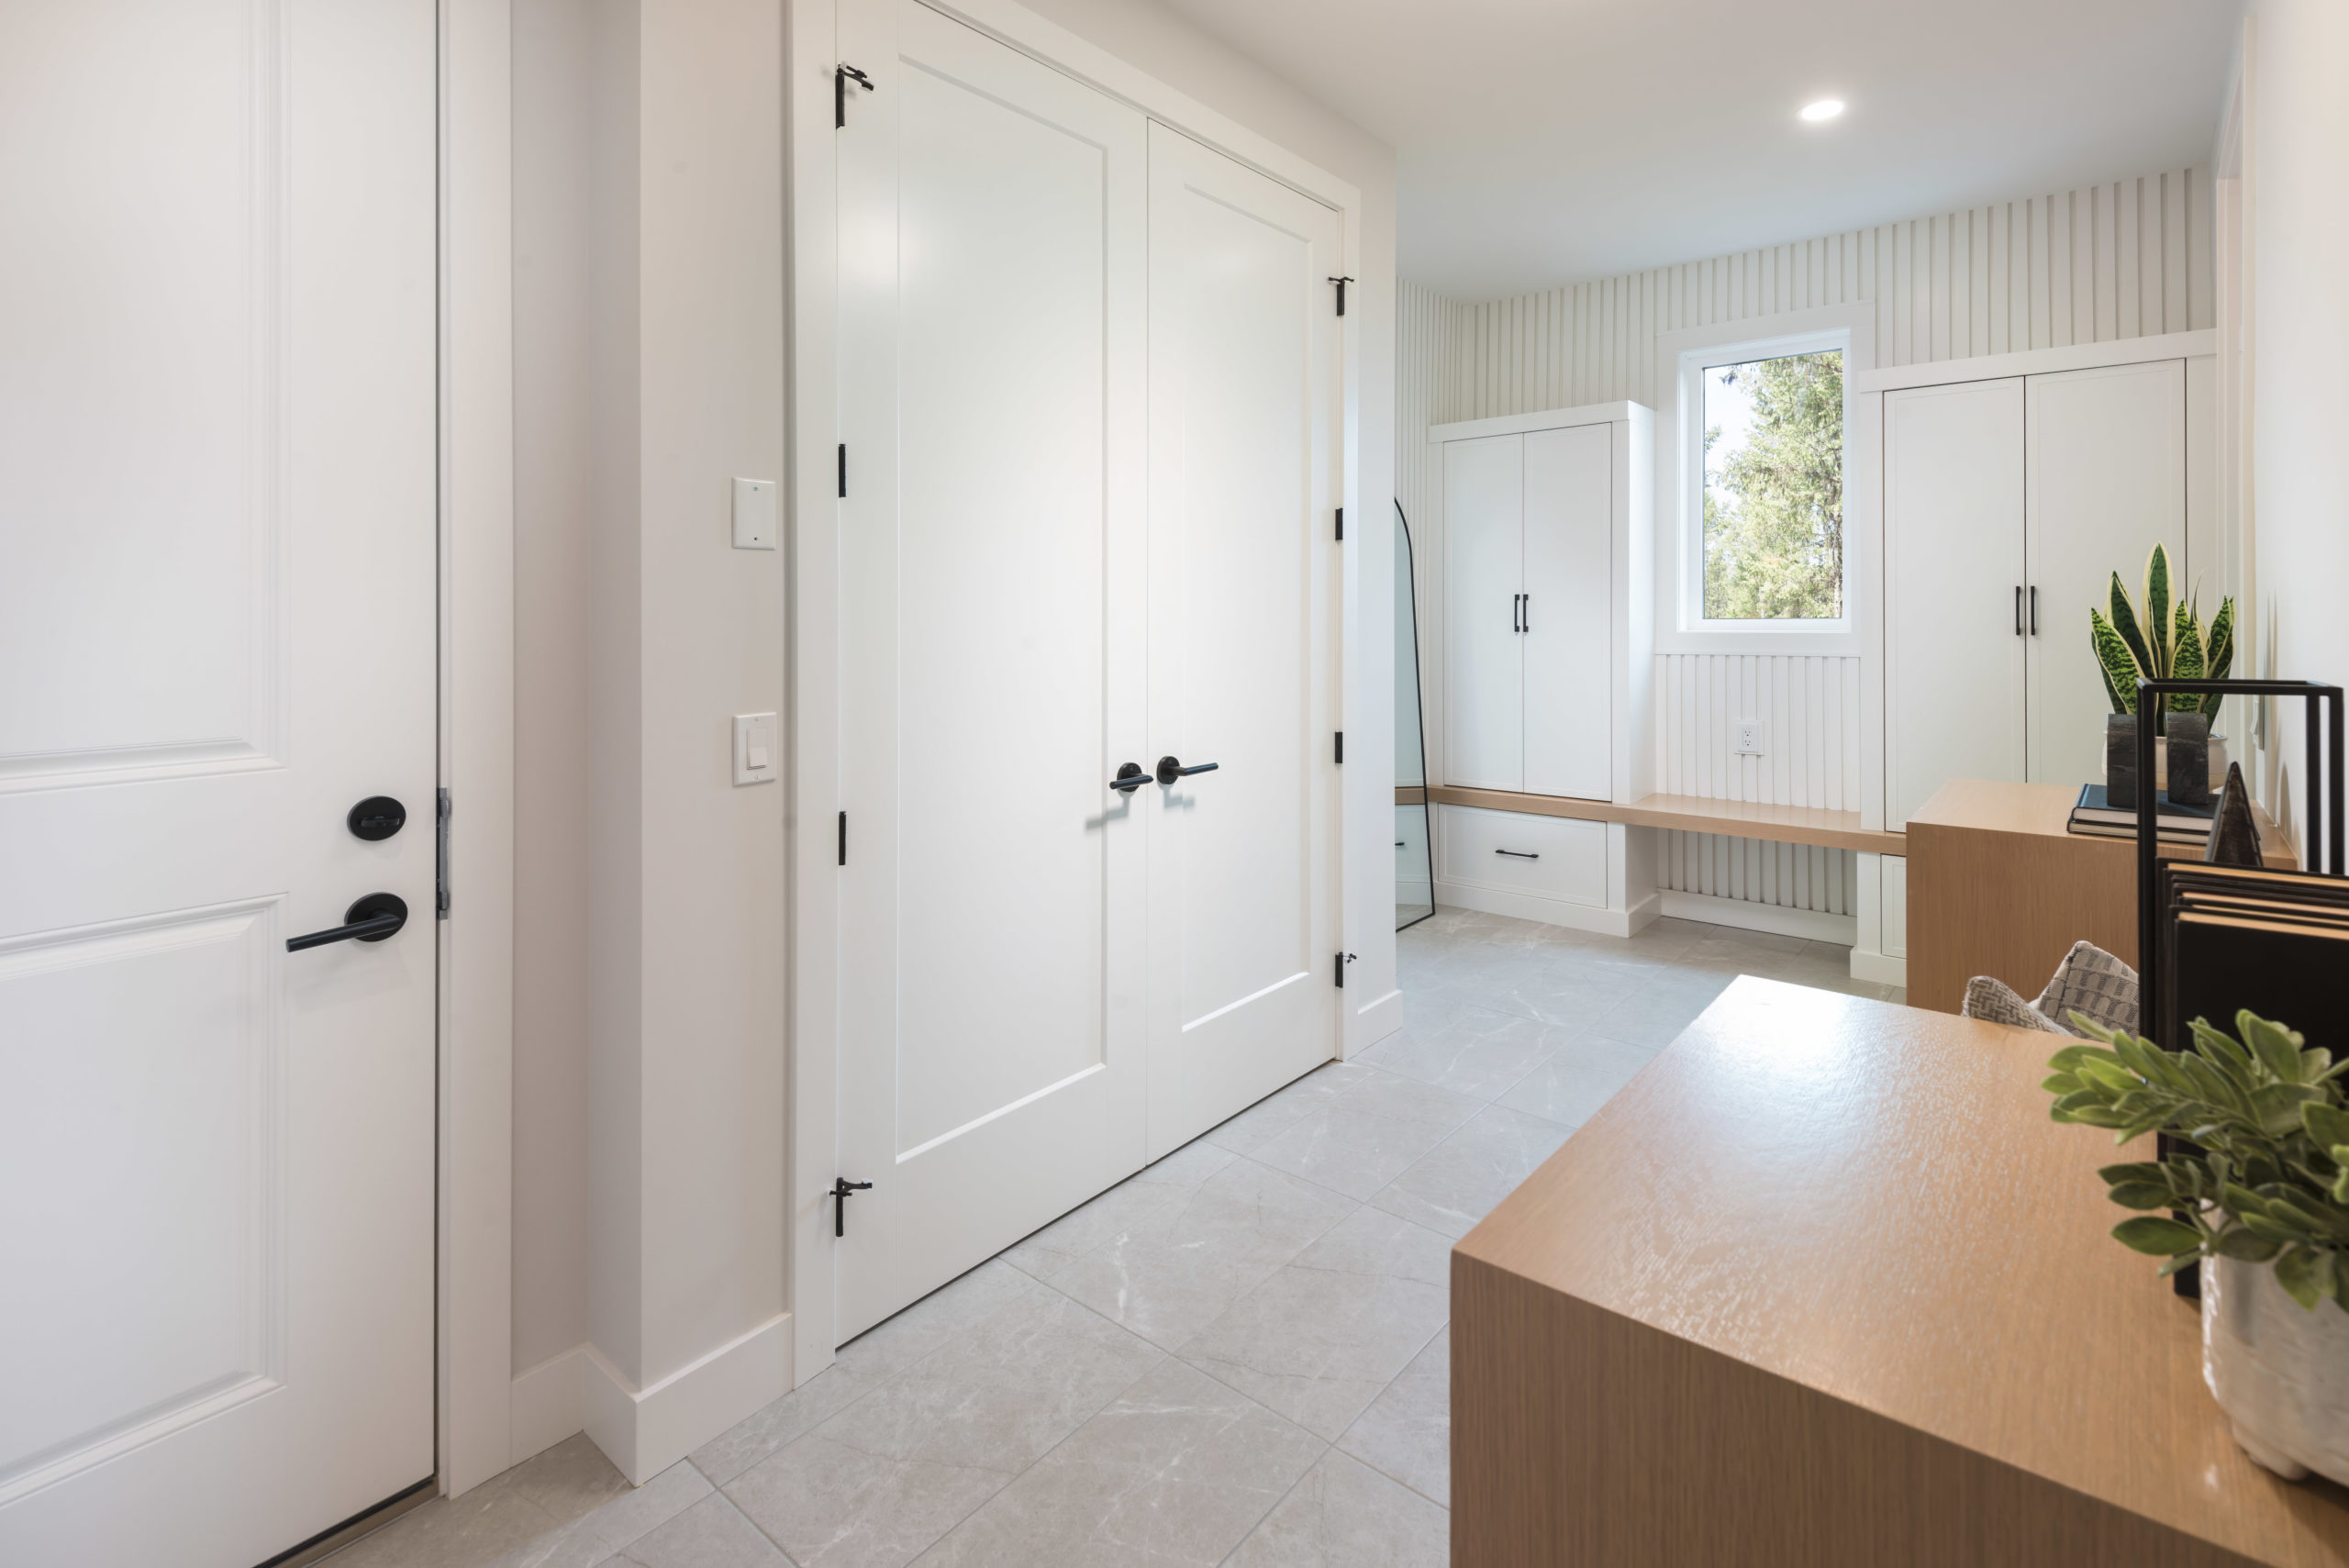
(1749, 738)
(755, 757)
(755, 515)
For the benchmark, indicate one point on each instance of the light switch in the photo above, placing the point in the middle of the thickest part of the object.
(755, 757)
(754, 513)
(1749, 738)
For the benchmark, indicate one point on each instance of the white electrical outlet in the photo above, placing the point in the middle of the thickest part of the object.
(1749, 738)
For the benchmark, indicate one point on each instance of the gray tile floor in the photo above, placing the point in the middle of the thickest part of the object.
(1238, 1356)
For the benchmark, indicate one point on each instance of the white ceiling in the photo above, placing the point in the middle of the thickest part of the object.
(1548, 141)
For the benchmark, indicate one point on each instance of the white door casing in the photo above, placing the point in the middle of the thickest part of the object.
(1954, 540)
(2107, 479)
(1244, 477)
(1484, 570)
(217, 501)
(1569, 510)
(992, 548)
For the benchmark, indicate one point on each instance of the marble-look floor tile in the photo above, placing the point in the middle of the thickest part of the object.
(1178, 1269)
(1573, 1084)
(1173, 1475)
(711, 1534)
(775, 1423)
(533, 1515)
(953, 1308)
(1407, 1431)
(1344, 1515)
(1284, 1108)
(1366, 1136)
(1081, 1230)
(1457, 1183)
(1551, 986)
(1477, 1053)
(1655, 1014)
(1320, 1340)
(878, 1483)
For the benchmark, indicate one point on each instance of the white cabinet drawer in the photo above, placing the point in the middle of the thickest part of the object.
(1549, 856)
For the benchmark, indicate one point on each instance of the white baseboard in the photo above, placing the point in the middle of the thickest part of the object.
(1550, 911)
(1374, 1022)
(1841, 929)
(1877, 967)
(548, 1403)
(644, 1431)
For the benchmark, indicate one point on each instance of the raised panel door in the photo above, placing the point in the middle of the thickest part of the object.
(1568, 635)
(1484, 575)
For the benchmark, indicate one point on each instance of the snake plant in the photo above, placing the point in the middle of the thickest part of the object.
(2169, 643)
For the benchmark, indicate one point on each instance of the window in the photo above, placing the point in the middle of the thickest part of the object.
(1772, 537)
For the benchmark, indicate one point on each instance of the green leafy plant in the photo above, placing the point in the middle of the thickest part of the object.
(2169, 644)
(2264, 1177)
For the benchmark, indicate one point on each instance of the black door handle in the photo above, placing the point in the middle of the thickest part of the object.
(371, 919)
(1130, 778)
(1172, 768)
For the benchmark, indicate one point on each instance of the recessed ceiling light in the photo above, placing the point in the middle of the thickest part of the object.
(1825, 109)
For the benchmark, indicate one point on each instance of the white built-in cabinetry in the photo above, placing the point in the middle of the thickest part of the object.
(1547, 595)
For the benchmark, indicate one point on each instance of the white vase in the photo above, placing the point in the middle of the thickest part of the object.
(2281, 1372)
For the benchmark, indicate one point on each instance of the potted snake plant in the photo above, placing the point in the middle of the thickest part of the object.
(2169, 642)
(2258, 1195)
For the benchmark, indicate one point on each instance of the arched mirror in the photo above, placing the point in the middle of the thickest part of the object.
(1414, 873)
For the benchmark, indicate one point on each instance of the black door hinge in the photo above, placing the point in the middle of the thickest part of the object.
(841, 1188)
(1342, 525)
(1343, 959)
(1341, 748)
(843, 838)
(842, 76)
(844, 471)
(441, 857)
(1342, 284)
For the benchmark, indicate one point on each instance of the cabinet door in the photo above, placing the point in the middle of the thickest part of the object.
(1569, 536)
(1484, 572)
(2108, 480)
(1954, 539)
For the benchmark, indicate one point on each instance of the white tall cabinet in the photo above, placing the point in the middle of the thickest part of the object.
(1547, 640)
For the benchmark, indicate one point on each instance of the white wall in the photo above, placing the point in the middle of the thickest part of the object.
(2125, 259)
(2295, 125)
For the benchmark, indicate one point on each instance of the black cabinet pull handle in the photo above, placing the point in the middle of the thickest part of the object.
(1130, 778)
(2034, 609)
(1172, 768)
(1525, 616)
(371, 919)
(2018, 609)
(1518, 854)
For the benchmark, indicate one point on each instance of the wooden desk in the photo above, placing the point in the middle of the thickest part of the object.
(1692, 814)
(1823, 1286)
(1997, 886)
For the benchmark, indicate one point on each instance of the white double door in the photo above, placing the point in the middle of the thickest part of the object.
(2009, 505)
(217, 636)
(1089, 401)
(1528, 547)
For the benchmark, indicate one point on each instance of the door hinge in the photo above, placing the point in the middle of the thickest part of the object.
(1342, 284)
(1341, 748)
(843, 838)
(844, 471)
(841, 1188)
(1343, 959)
(440, 856)
(1342, 525)
(842, 76)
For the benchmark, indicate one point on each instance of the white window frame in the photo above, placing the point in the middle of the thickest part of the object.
(1681, 625)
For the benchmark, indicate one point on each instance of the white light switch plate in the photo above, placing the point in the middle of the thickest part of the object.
(755, 515)
(1749, 737)
(755, 759)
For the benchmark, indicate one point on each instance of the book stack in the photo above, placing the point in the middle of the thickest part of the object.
(2173, 822)
(2274, 941)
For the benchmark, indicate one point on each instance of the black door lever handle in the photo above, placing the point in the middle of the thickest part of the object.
(1130, 778)
(1172, 768)
(371, 919)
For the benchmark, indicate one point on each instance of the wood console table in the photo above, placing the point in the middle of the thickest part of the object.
(1998, 887)
(1824, 1287)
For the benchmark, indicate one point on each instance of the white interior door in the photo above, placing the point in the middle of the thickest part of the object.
(1244, 453)
(1568, 637)
(217, 636)
(1958, 619)
(1483, 574)
(993, 561)
(2107, 481)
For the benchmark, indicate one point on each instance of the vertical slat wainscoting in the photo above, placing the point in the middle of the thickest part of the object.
(1426, 329)
(2128, 258)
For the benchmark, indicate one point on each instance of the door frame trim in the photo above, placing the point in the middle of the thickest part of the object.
(813, 567)
(474, 1231)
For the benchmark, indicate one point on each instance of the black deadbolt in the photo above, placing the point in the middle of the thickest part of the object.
(377, 817)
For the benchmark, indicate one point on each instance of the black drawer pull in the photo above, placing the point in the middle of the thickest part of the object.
(1517, 854)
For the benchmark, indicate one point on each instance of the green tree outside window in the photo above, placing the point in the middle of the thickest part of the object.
(1774, 495)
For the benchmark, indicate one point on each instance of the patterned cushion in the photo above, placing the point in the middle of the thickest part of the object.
(2091, 981)
(1995, 1001)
